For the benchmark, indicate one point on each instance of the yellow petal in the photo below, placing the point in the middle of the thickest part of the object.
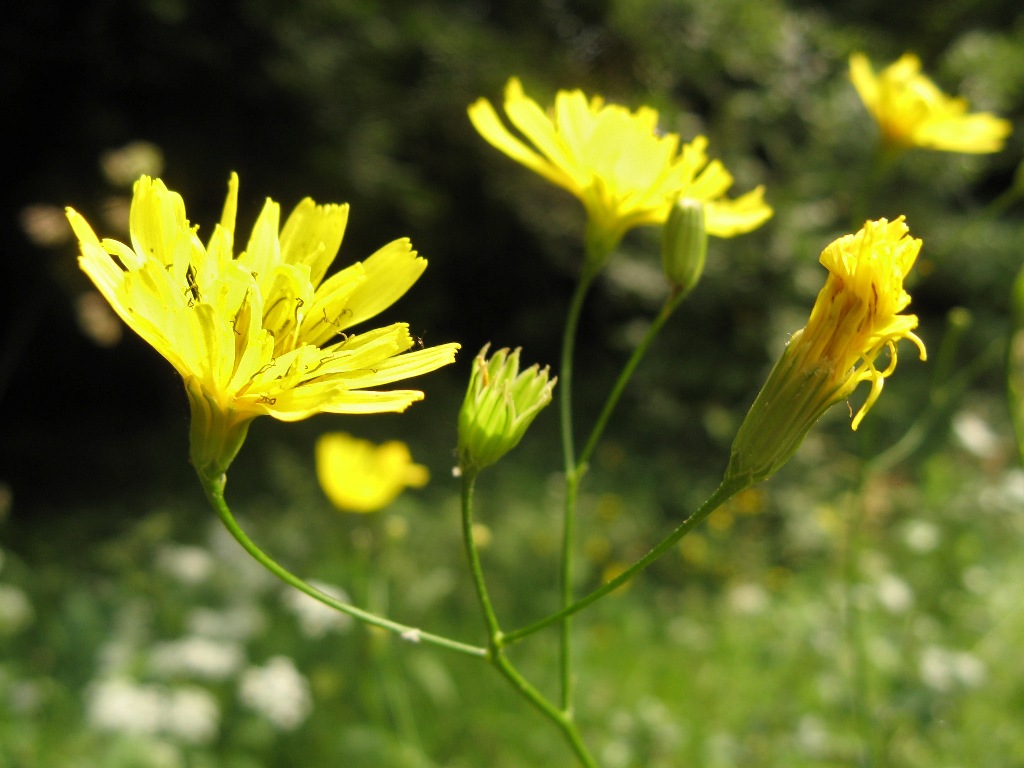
(390, 272)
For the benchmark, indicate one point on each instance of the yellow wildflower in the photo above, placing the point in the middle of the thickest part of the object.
(260, 333)
(912, 112)
(359, 476)
(855, 317)
(621, 167)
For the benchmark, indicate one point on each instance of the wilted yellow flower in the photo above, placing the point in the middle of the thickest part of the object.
(260, 333)
(360, 476)
(912, 112)
(623, 169)
(855, 317)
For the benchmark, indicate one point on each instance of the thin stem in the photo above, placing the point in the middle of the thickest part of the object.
(562, 719)
(475, 568)
(214, 488)
(671, 304)
(572, 479)
(496, 655)
(572, 322)
(729, 488)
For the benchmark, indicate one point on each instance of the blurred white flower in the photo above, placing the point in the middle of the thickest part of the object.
(278, 691)
(894, 593)
(747, 599)
(189, 715)
(316, 619)
(45, 225)
(921, 536)
(238, 622)
(16, 611)
(975, 434)
(977, 579)
(812, 735)
(97, 320)
(188, 564)
(197, 656)
(122, 705)
(617, 754)
(942, 669)
(122, 166)
(192, 715)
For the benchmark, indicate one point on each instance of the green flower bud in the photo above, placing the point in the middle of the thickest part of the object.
(684, 244)
(500, 404)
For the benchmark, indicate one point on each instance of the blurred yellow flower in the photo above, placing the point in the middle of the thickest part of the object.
(260, 333)
(855, 317)
(360, 476)
(622, 168)
(912, 112)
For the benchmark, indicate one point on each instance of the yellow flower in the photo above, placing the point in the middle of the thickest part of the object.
(912, 112)
(359, 476)
(855, 317)
(621, 167)
(260, 333)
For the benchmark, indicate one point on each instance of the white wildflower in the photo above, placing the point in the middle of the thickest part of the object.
(278, 691)
(747, 599)
(239, 622)
(192, 715)
(975, 434)
(122, 705)
(16, 611)
(196, 656)
(942, 669)
(894, 593)
(187, 564)
(921, 536)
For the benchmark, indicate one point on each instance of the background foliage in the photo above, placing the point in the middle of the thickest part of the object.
(749, 654)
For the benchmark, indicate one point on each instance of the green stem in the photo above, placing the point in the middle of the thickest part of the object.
(572, 478)
(562, 719)
(214, 488)
(496, 655)
(724, 492)
(475, 568)
(671, 304)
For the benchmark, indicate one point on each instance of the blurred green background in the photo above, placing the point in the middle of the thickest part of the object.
(836, 616)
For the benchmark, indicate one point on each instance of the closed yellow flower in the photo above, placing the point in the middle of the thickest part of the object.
(624, 170)
(263, 332)
(360, 476)
(855, 317)
(911, 111)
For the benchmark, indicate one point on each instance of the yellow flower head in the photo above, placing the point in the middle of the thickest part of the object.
(855, 317)
(621, 167)
(912, 112)
(261, 332)
(359, 476)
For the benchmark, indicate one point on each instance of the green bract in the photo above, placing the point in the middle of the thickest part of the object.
(500, 404)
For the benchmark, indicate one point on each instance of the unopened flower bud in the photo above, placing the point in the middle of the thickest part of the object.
(500, 405)
(684, 244)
